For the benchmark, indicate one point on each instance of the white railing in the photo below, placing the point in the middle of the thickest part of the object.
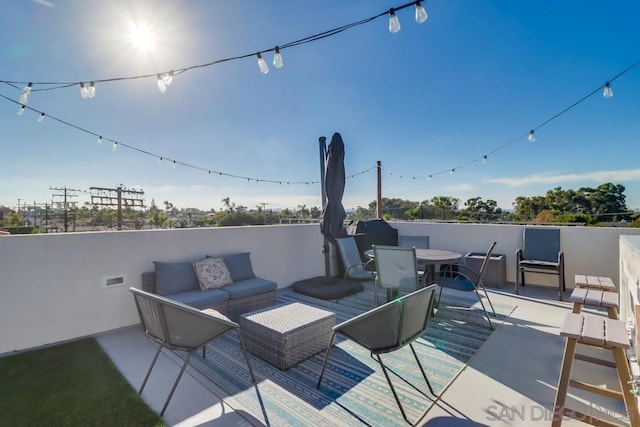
(57, 287)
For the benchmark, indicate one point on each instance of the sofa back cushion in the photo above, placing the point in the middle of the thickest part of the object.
(239, 266)
(174, 277)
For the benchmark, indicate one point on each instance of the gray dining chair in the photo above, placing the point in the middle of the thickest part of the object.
(541, 254)
(354, 267)
(388, 328)
(418, 242)
(396, 271)
(177, 326)
(462, 278)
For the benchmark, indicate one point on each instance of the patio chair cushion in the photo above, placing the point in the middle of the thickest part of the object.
(198, 299)
(174, 277)
(250, 287)
(239, 266)
(212, 273)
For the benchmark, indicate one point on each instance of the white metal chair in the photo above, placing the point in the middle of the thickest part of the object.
(387, 328)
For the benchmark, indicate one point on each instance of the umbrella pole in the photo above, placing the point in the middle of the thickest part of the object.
(325, 247)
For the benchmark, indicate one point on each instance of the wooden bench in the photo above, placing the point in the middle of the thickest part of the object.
(595, 298)
(600, 332)
(595, 282)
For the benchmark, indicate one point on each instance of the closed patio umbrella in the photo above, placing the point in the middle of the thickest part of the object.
(333, 214)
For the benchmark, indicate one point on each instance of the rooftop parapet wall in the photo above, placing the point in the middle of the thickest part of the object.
(54, 288)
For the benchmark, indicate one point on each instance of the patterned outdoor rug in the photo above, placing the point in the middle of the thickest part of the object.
(354, 390)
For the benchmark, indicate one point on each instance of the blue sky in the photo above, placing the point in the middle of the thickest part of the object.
(473, 79)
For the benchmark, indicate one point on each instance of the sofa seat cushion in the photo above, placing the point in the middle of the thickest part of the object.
(200, 300)
(249, 287)
(174, 277)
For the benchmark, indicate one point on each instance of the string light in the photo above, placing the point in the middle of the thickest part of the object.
(114, 147)
(99, 140)
(162, 86)
(277, 58)
(40, 118)
(485, 160)
(532, 136)
(394, 22)
(453, 172)
(421, 13)
(24, 94)
(262, 64)
(167, 77)
(84, 92)
(394, 26)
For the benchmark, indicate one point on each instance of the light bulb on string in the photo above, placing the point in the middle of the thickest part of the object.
(20, 110)
(167, 78)
(162, 86)
(394, 23)
(84, 92)
(277, 58)
(114, 147)
(99, 139)
(160, 161)
(485, 160)
(40, 118)
(24, 94)
(429, 178)
(92, 90)
(532, 136)
(174, 164)
(608, 92)
(421, 13)
(262, 64)
(453, 172)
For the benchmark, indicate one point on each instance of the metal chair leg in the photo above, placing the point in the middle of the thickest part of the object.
(421, 369)
(175, 384)
(393, 390)
(144, 382)
(326, 358)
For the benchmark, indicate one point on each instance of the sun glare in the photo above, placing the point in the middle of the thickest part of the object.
(142, 37)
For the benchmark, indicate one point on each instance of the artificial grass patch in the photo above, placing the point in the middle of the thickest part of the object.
(71, 384)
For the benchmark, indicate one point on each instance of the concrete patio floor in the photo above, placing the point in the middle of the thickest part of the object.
(511, 380)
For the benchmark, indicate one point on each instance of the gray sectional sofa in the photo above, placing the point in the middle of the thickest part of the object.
(178, 281)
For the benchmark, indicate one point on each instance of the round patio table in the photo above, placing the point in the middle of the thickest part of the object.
(430, 258)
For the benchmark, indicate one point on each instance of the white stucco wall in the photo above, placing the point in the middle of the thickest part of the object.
(51, 285)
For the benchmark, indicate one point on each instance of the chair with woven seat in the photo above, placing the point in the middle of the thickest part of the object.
(541, 254)
(396, 271)
(177, 326)
(388, 328)
(418, 242)
(462, 278)
(354, 267)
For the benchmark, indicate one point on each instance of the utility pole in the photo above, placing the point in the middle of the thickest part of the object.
(116, 197)
(66, 193)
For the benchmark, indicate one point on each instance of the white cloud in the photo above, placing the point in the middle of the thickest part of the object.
(44, 3)
(597, 177)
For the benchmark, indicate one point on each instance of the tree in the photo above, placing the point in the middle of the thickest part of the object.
(446, 205)
(227, 203)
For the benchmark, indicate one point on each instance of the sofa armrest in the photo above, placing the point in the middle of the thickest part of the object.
(149, 281)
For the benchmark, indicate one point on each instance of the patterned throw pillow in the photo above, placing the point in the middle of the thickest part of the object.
(212, 273)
